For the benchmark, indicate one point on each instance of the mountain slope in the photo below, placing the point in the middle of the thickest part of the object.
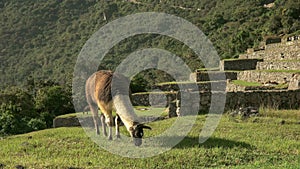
(43, 38)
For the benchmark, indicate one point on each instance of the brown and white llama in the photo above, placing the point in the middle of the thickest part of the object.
(108, 90)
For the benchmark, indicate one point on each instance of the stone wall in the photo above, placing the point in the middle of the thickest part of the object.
(251, 67)
(146, 99)
(239, 64)
(294, 83)
(264, 76)
(230, 87)
(281, 99)
(278, 65)
(201, 86)
(215, 75)
(235, 88)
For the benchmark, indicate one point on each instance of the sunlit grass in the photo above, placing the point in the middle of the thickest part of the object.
(258, 142)
(245, 83)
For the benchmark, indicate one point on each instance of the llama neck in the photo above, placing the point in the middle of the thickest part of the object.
(125, 110)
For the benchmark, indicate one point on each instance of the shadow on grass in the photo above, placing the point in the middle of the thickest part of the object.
(212, 143)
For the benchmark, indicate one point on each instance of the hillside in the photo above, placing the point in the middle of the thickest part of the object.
(259, 142)
(42, 39)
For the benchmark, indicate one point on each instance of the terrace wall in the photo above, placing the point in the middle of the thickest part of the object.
(238, 64)
(199, 86)
(265, 76)
(277, 51)
(215, 75)
(278, 65)
(281, 99)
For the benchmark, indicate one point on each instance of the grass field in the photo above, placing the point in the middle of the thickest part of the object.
(258, 142)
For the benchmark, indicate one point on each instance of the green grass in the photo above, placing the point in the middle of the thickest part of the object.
(162, 92)
(71, 115)
(263, 143)
(281, 114)
(281, 71)
(208, 69)
(236, 59)
(285, 60)
(187, 82)
(245, 83)
(156, 111)
(257, 84)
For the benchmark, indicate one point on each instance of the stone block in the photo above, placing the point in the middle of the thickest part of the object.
(294, 83)
(239, 64)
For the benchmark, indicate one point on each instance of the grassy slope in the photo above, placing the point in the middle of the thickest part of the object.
(259, 142)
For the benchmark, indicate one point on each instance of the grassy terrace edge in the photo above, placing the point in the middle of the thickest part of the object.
(245, 83)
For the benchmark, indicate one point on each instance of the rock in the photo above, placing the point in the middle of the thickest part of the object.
(66, 122)
(19, 167)
(294, 82)
(246, 112)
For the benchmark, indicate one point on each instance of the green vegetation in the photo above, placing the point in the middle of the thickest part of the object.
(257, 84)
(282, 71)
(282, 86)
(186, 82)
(285, 60)
(43, 39)
(70, 115)
(258, 142)
(235, 59)
(209, 69)
(245, 83)
(280, 114)
(163, 92)
(40, 42)
(32, 109)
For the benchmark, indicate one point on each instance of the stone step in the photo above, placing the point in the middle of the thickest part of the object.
(239, 64)
(190, 86)
(201, 76)
(286, 51)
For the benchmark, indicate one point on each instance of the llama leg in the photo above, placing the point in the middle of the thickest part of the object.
(106, 109)
(117, 126)
(103, 125)
(94, 110)
(109, 122)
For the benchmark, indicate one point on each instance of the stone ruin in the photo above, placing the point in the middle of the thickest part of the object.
(275, 65)
(276, 60)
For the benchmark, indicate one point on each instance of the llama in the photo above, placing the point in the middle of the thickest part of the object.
(99, 93)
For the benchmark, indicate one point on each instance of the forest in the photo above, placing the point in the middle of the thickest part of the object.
(40, 42)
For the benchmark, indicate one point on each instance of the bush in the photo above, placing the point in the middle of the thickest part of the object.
(37, 124)
(54, 100)
(21, 112)
(10, 121)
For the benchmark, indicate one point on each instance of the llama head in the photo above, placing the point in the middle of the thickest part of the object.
(137, 133)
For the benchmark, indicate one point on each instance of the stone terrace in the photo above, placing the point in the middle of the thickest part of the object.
(275, 62)
(278, 62)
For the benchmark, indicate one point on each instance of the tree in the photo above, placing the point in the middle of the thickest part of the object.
(16, 110)
(53, 101)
